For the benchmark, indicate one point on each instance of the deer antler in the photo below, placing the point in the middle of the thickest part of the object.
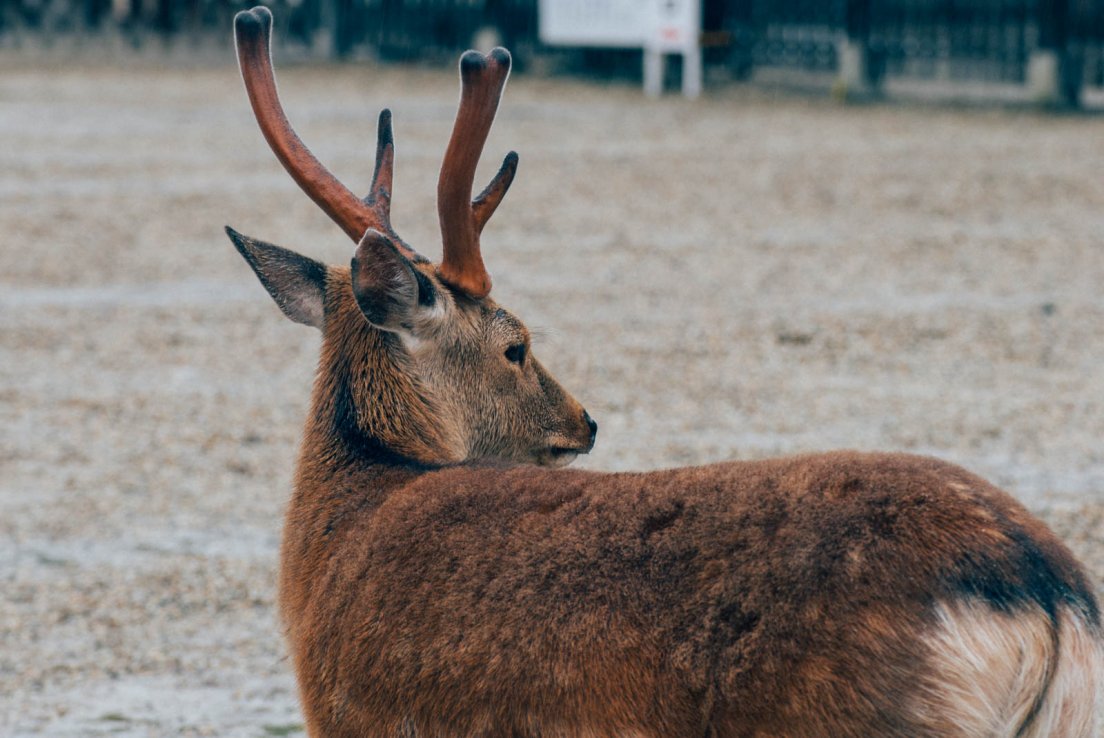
(253, 30)
(462, 219)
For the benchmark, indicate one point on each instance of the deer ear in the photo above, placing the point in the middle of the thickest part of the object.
(296, 283)
(389, 290)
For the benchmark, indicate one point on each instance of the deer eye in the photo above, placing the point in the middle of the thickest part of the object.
(516, 353)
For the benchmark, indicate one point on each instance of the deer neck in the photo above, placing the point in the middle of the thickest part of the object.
(368, 411)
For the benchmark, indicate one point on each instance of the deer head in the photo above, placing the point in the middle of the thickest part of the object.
(418, 360)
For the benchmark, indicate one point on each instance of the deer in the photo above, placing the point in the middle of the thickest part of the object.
(442, 573)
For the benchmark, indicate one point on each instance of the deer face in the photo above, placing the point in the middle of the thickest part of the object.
(471, 358)
(431, 373)
(512, 408)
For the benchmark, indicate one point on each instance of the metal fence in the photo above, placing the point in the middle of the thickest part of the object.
(390, 28)
(953, 40)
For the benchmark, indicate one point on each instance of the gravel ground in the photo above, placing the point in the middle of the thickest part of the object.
(739, 277)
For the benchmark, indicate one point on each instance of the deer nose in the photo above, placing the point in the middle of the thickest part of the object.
(593, 428)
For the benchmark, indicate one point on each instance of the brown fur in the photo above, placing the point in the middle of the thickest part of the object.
(782, 597)
(434, 582)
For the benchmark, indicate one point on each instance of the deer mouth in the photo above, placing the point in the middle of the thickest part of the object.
(557, 456)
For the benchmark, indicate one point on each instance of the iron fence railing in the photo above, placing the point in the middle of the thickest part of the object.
(986, 40)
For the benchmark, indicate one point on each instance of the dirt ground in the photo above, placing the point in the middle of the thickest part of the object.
(743, 276)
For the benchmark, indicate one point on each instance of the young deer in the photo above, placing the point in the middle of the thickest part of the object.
(438, 579)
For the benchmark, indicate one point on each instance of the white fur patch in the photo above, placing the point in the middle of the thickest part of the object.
(425, 320)
(991, 668)
(410, 342)
(1074, 704)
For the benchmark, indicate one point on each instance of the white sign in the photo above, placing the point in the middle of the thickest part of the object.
(657, 26)
(666, 25)
(606, 23)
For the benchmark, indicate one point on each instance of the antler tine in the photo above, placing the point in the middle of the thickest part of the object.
(483, 207)
(462, 219)
(252, 31)
(379, 195)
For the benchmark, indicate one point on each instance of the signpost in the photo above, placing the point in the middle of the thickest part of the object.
(659, 27)
(675, 29)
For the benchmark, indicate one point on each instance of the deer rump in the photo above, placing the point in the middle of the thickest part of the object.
(841, 594)
(435, 583)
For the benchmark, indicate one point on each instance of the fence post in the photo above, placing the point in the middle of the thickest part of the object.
(346, 28)
(324, 35)
(94, 11)
(858, 73)
(1053, 74)
(164, 19)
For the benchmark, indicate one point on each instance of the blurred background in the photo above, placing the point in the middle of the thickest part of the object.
(879, 226)
(1052, 48)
